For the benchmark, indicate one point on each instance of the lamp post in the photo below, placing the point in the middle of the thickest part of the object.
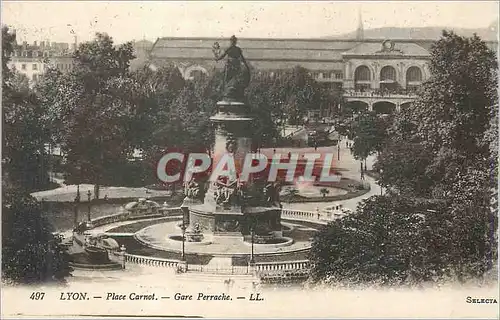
(77, 204)
(380, 183)
(183, 257)
(252, 234)
(185, 212)
(89, 195)
(338, 150)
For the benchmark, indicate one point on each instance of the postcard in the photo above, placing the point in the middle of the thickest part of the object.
(254, 159)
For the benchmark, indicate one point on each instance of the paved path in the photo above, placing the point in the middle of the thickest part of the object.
(67, 193)
(351, 170)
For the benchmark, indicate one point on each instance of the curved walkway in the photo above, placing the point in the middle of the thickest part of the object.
(351, 169)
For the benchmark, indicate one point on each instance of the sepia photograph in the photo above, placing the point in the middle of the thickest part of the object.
(253, 159)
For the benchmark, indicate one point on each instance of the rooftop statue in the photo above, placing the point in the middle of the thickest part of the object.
(236, 71)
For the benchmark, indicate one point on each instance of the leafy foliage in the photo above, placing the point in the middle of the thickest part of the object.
(370, 133)
(88, 109)
(393, 240)
(25, 128)
(30, 252)
(443, 149)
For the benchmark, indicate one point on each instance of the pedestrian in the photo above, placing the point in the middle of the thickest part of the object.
(347, 144)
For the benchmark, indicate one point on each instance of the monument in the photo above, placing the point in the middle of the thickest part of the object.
(231, 207)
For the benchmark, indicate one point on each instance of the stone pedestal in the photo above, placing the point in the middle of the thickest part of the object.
(225, 211)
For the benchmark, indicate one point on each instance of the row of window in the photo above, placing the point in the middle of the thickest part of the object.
(59, 66)
(34, 54)
(316, 74)
(387, 73)
(34, 66)
(328, 75)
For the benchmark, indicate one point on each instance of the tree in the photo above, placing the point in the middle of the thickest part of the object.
(94, 89)
(30, 252)
(387, 241)
(24, 128)
(293, 93)
(441, 152)
(370, 134)
(264, 130)
(451, 117)
(441, 148)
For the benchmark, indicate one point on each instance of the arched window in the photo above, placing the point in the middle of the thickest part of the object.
(413, 78)
(362, 73)
(388, 74)
(362, 78)
(414, 74)
(388, 81)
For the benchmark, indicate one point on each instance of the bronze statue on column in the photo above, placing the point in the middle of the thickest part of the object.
(236, 70)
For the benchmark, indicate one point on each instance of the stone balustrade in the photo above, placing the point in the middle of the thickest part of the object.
(282, 265)
(303, 216)
(151, 261)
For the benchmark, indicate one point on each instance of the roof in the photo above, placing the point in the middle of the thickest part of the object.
(281, 53)
(398, 49)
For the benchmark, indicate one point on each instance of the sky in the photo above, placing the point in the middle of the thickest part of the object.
(60, 21)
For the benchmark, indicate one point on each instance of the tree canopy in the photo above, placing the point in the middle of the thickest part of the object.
(441, 150)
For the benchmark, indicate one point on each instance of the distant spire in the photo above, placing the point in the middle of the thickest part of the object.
(360, 30)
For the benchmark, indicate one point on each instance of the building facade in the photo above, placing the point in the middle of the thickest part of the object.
(33, 60)
(373, 74)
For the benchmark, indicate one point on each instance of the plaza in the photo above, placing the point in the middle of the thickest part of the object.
(260, 170)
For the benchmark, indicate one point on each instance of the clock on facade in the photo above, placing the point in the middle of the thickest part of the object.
(387, 45)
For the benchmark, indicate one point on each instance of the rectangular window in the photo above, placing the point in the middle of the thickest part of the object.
(23, 66)
(35, 77)
(35, 66)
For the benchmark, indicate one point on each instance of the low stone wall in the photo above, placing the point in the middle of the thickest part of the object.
(124, 216)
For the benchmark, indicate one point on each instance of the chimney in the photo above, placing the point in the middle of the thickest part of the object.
(360, 30)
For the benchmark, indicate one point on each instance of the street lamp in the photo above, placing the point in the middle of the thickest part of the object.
(252, 233)
(380, 183)
(183, 257)
(89, 195)
(338, 150)
(185, 212)
(77, 204)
